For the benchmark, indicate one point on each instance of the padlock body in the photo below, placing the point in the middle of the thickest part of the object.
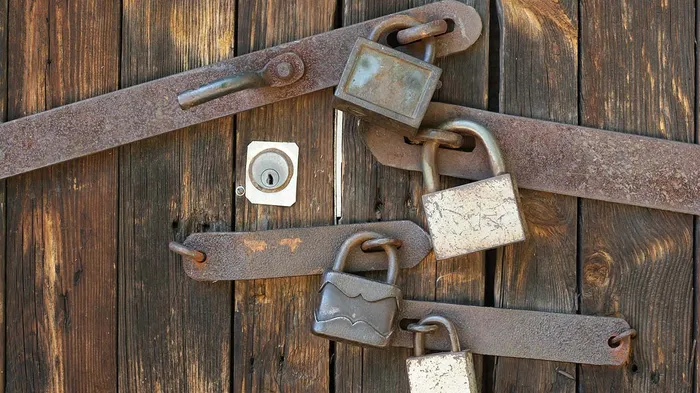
(442, 373)
(474, 217)
(356, 310)
(384, 86)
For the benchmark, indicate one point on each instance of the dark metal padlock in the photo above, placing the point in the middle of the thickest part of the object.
(447, 372)
(356, 309)
(387, 87)
(475, 216)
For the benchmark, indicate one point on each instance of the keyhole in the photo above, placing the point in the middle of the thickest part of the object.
(270, 180)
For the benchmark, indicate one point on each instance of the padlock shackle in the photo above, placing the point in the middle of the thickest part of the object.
(426, 326)
(361, 237)
(404, 22)
(498, 164)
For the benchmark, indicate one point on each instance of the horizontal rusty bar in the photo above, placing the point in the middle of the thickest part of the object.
(152, 108)
(562, 159)
(522, 334)
(297, 251)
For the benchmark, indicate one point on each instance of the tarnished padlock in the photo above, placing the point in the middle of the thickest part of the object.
(476, 216)
(382, 85)
(356, 309)
(448, 372)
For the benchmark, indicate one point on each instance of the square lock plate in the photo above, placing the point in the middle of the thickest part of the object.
(474, 217)
(385, 86)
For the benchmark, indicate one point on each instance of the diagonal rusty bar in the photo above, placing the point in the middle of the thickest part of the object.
(562, 159)
(152, 108)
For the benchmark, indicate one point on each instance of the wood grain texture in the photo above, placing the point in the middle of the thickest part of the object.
(274, 350)
(538, 79)
(637, 72)
(3, 200)
(61, 221)
(372, 192)
(174, 333)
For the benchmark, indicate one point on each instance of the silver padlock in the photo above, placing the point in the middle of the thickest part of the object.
(384, 86)
(448, 372)
(476, 216)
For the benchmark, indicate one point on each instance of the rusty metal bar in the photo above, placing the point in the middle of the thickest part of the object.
(297, 251)
(522, 334)
(152, 108)
(562, 159)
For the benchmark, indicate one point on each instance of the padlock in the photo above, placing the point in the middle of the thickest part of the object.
(356, 309)
(448, 372)
(475, 216)
(384, 86)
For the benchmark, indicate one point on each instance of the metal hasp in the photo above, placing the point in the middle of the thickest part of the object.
(282, 70)
(387, 87)
(356, 309)
(523, 334)
(562, 159)
(296, 251)
(152, 108)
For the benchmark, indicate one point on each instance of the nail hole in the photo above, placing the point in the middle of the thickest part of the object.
(175, 224)
(634, 368)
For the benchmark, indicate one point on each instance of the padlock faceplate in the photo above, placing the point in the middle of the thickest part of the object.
(384, 86)
(474, 217)
(356, 310)
(442, 373)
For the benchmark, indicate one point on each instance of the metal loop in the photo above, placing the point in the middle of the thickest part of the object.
(498, 165)
(617, 339)
(434, 320)
(421, 32)
(377, 244)
(181, 249)
(359, 238)
(432, 140)
(404, 22)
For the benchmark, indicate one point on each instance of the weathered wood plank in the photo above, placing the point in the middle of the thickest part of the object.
(637, 73)
(174, 333)
(61, 234)
(3, 200)
(372, 192)
(538, 71)
(274, 349)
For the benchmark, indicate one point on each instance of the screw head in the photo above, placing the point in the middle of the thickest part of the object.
(240, 190)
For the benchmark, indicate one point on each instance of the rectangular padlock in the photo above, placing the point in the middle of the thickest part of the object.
(384, 86)
(476, 216)
(448, 372)
(355, 309)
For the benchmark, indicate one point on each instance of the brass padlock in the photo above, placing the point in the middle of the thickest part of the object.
(476, 216)
(448, 372)
(356, 309)
(384, 86)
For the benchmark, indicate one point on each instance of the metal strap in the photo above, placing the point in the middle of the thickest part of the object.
(296, 252)
(522, 334)
(151, 109)
(562, 159)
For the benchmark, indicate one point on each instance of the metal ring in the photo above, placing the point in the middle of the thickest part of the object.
(377, 244)
(404, 22)
(421, 32)
(617, 339)
(181, 249)
(418, 328)
(445, 138)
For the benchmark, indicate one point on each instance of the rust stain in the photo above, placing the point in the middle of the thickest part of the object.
(254, 246)
(292, 243)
